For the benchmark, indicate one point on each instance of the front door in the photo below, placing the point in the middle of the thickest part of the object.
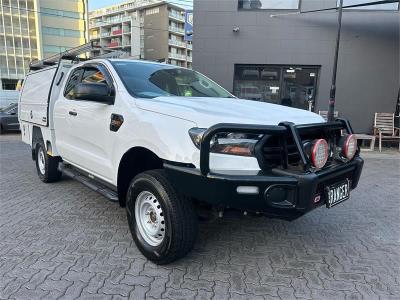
(83, 133)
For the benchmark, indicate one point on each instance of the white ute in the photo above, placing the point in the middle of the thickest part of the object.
(167, 142)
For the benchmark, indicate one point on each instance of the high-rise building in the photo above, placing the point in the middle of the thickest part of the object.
(145, 29)
(35, 29)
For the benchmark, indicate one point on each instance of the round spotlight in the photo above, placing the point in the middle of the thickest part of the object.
(319, 153)
(349, 147)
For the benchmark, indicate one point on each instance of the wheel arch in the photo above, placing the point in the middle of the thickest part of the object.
(36, 137)
(134, 161)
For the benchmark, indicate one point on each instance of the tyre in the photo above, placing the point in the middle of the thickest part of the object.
(162, 222)
(46, 165)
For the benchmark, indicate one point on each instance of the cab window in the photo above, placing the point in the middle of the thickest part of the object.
(93, 75)
(73, 80)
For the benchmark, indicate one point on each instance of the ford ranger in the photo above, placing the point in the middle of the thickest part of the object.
(164, 140)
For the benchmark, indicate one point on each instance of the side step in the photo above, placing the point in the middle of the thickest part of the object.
(89, 181)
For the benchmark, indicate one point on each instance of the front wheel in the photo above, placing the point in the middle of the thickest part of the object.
(46, 165)
(163, 223)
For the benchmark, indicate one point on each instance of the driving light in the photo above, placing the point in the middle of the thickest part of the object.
(348, 143)
(319, 153)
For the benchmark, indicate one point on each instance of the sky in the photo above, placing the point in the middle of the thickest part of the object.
(94, 4)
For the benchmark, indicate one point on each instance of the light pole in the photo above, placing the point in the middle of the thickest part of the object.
(332, 97)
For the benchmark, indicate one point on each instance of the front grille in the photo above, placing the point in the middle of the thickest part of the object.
(281, 150)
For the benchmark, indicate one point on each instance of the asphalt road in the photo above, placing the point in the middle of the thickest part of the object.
(63, 241)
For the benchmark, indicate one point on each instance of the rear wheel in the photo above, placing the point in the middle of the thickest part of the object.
(46, 165)
(162, 222)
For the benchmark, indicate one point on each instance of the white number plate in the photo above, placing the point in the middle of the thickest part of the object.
(338, 193)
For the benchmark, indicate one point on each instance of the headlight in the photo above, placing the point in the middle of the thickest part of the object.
(228, 143)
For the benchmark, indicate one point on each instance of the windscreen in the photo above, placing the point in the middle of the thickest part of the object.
(147, 80)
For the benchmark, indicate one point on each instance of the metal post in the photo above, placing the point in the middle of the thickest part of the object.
(332, 99)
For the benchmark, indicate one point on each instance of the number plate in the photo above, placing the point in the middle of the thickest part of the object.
(338, 193)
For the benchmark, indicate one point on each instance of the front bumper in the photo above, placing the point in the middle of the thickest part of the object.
(281, 194)
(277, 192)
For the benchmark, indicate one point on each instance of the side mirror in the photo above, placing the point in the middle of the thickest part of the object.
(99, 92)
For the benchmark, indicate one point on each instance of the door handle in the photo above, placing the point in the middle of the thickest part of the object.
(73, 113)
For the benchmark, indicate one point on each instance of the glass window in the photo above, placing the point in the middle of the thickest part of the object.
(93, 75)
(73, 80)
(386, 6)
(61, 32)
(268, 4)
(150, 80)
(286, 85)
(61, 13)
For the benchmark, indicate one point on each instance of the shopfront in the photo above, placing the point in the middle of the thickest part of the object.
(294, 86)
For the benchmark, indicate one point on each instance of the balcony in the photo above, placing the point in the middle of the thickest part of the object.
(176, 16)
(190, 46)
(177, 30)
(177, 43)
(113, 45)
(116, 32)
(189, 59)
(177, 56)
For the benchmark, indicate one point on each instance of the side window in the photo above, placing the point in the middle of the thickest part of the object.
(13, 111)
(74, 79)
(93, 75)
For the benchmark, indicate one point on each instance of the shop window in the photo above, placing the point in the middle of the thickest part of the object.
(293, 86)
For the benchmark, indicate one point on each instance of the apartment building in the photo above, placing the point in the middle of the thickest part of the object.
(288, 59)
(145, 29)
(35, 29)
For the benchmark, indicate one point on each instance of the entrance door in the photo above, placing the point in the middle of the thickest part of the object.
(299, 87)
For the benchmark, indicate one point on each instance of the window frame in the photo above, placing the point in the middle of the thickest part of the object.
(270, 9)
(357, 9)
(99, 66)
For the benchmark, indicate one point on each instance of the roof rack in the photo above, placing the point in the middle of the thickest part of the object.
(73, 55)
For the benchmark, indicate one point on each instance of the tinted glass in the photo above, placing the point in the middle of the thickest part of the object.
(74, 79)
(293, 86)
(146, 80)
(93, 75)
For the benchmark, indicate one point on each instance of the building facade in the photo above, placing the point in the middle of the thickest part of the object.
(288, 59)
(35, 29)
(148, 29)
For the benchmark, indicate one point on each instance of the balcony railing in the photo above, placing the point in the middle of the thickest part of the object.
(177, 56)
(116, 32)
(176, 29)
(177, 43)
(113, 44)
(189, 46)
(177, 16)
(105, 34)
